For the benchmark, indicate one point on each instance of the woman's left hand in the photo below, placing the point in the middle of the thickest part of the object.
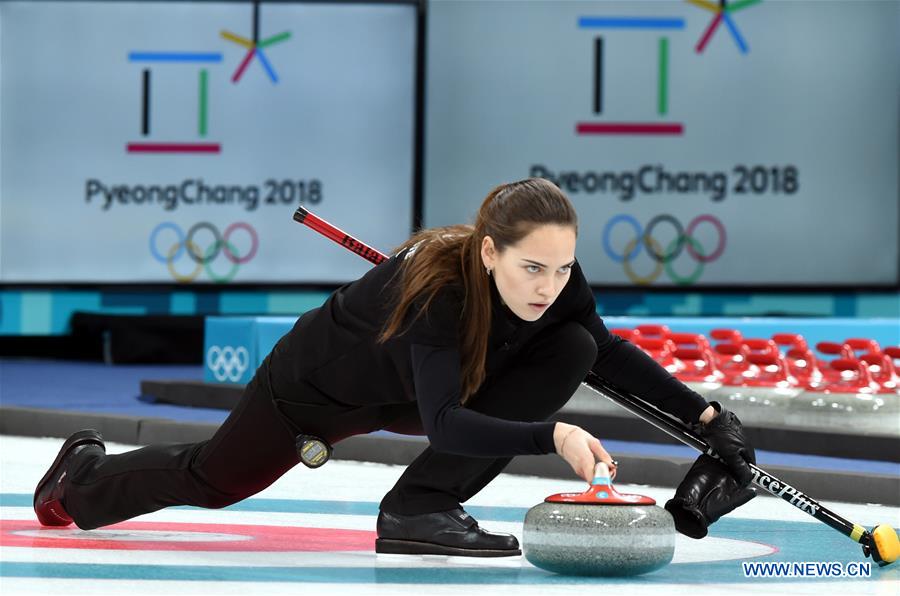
(725, 435)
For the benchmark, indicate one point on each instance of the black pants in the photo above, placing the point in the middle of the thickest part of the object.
(255, 445)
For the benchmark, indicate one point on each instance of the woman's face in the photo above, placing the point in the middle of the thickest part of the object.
(531, 274)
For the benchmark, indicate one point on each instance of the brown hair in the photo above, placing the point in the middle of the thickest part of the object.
(451, 255)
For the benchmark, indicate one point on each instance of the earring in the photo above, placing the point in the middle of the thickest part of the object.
(488, 270)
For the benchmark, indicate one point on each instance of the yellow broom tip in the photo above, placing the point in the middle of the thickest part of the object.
(886, 545)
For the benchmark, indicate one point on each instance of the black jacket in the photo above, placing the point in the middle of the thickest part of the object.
(334, 348)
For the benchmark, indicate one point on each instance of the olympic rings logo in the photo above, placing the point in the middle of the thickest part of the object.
(227, 363)
(684, 241)
(202, 258)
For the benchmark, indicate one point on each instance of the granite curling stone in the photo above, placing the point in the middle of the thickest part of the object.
(599, 532)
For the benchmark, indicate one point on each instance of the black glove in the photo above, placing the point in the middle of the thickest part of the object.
(725, 435)
(707, 493)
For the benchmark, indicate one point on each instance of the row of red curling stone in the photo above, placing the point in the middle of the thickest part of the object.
(781, 372)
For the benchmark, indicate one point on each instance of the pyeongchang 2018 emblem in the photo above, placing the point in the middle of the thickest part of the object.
(202, 247)
(723, 12)
(256, 48)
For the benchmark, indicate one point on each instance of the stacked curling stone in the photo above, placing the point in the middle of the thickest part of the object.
(599, 532)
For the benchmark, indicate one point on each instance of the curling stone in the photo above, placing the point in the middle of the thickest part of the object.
(599, 532)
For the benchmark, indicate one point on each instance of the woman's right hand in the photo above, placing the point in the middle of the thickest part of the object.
(581, 450)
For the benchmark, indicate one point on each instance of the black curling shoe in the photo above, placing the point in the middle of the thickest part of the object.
(49, 492)
(453, 532)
